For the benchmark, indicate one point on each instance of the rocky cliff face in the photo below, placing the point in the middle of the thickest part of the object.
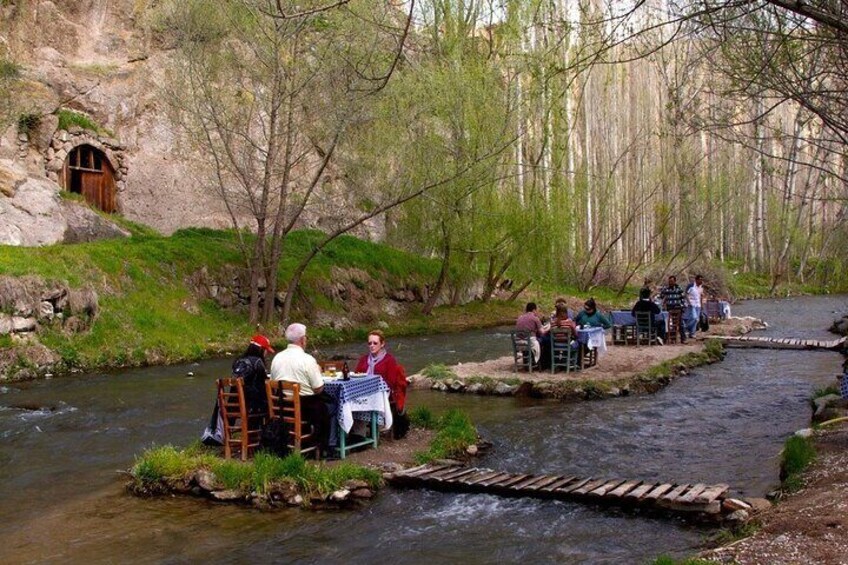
(94, 56)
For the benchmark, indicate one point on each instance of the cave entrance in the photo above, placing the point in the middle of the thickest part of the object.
(88, 172)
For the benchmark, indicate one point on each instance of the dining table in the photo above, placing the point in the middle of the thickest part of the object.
(359, 398)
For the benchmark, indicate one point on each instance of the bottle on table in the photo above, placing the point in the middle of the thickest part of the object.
(345, 372)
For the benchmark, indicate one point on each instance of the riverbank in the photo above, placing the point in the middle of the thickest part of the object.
(808, 525)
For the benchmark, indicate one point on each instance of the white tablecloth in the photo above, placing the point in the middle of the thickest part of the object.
(593, 338)
(365, 394)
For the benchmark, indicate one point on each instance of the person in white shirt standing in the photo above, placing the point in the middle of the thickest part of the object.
(295, 365)
(694, 298)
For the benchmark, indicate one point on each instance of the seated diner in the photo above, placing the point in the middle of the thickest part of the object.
(378, 361)
(591, 317)
(294, 364)
(645, 304)
(529, 322)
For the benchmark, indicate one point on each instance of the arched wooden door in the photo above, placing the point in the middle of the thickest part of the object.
(88, 172)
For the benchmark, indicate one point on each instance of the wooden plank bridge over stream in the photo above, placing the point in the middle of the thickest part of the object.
(750, 341)
(697, 500)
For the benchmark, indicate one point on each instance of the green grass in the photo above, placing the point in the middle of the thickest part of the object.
(69, 118)
(454, 433)
(438, 371)
(824, 391)
(146, 302)
(167, 464)
(798, 453)
(422, 417)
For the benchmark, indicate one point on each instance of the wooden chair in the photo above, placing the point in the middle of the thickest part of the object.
(619, 334)
(713, 310)
(562, 354)
(675, 321)
(522, 351)
(284, 402)
(646, 332)
(241, 430)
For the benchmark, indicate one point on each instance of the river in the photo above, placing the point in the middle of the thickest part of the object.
(61, 491)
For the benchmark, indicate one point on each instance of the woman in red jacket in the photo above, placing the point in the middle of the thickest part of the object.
(378, 361)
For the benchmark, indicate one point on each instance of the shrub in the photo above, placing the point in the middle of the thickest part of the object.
(798, 453)
(69, 119)
(28, 122)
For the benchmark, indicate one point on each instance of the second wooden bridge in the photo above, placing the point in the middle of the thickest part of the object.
(781, 342)
(702, 500)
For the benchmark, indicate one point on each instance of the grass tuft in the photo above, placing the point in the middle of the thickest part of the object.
(422, 417)
(454, 433)
(798, 453)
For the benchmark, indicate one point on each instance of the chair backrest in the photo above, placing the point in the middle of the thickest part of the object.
(241, 430)
(522, 351)
(284, 403)
(712, 309)
(561, 338)
(643, 320)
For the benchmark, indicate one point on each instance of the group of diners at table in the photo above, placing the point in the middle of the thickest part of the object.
(330, 402)
(672, 307)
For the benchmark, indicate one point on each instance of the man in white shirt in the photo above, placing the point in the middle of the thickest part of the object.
(694, 297)
(294, 364)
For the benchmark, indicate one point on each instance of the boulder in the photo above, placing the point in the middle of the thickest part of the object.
(758, 504)
(471, 450)
(475, 388)
(340, 495)
(83, 302)
(6, 325)
(505, 389)
(45, 311)
(738, 516)
(205, 479)
(11, 177)
(20, 324)
(295, 500)
(355, 484)
(733, 504)
(362, 493)
(806, 432)
(226, 495)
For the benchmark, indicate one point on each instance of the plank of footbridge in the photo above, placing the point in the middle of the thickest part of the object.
(439, 474)
(511, 481)
(623, 489)
(640, 491)
(590, 486)
(406, 472)
(558, 483)
(695, 491)
(494, 479)
(606, 487)
(529, 482)
(574, 485)
(675, 492)
(480, 475)
(539, 485)
(658, 491)
(711, 493)
(427, 470)
(452, 477)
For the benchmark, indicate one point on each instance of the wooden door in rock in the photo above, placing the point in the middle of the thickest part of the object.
(88, 172)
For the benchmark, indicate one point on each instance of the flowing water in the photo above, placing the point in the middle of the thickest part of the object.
(61, 464)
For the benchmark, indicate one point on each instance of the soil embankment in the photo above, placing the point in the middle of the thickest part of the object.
(809, 525)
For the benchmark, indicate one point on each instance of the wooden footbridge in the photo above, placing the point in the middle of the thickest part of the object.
(697, 500)
(749, 341)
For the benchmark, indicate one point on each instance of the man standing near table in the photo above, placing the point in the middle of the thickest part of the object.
(295, 365)
(695, 299)
(672, 297)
